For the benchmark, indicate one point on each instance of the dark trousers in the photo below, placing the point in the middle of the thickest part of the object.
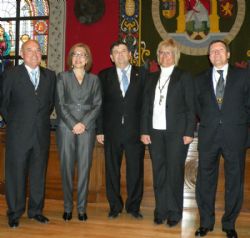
(207, 179)
(22, 164)
(134, 155)
(168, 154)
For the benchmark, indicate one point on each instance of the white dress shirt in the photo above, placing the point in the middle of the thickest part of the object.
(159, 111)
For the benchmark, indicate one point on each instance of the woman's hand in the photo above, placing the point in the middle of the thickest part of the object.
(78, 128)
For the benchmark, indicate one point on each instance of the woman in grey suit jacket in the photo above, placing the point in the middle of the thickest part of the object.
(77, 105)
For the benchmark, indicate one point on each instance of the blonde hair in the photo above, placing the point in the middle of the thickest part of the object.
(169, 43)
(88, 52)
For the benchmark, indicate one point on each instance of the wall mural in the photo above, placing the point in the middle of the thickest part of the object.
(193, 24)
(130, 27)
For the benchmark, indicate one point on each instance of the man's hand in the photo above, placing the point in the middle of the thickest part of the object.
(100, 139)
(187, 140)
(145, 139)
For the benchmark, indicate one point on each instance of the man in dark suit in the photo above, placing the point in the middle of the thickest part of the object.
(168, 124)
(119, 129)
(223, 106)
(27, 99)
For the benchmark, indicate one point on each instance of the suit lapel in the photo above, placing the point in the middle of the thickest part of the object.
(229, 84)
(114, 81)
(42, 80)
(133, 78)
(155, 79)
(209, 81)
(173, 79)
(25, 77)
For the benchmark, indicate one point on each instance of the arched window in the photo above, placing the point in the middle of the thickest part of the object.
(14, 14)
(22, 20)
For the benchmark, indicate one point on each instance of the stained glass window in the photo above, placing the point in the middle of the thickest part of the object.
(22, 20)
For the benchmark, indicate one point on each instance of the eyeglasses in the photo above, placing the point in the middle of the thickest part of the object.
(80, 55)
(165, 53)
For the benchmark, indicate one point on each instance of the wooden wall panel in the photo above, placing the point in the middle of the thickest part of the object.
(97, 177)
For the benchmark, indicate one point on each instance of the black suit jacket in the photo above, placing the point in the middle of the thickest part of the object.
(26, 111)
(180, 105)
(234, 115)
(115, 106)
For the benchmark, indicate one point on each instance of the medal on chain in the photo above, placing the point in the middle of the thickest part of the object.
(161, 89)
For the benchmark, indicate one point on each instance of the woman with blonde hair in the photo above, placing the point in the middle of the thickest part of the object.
(168, 123)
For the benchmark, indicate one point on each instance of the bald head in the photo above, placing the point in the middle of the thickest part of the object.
(31, 53)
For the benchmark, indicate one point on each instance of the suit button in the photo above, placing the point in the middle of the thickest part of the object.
(36, 93)
(220, 122)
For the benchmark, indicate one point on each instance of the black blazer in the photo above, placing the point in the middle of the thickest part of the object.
(115, 106)
(234, 115)
(180, 105)
(26, 111)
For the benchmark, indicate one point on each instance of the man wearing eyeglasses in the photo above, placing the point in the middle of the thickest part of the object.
(27, 100)
(119, 130)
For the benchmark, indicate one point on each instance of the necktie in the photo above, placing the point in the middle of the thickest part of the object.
(124, 80)
(220, 87)
(33, 75)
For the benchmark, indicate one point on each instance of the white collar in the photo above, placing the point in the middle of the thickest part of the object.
(224, 68)
(167, 70)
(31, 69)
(127, 68)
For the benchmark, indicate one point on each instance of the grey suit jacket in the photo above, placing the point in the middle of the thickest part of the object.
(77, 102)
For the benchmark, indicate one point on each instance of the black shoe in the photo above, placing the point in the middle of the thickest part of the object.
(113, 214)
(82, 217)
(136, 215)
(13, 223)
(172, 223)
(158, 221)
(40, 218)
(231, 233)
(202, 231)
(67, 216)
